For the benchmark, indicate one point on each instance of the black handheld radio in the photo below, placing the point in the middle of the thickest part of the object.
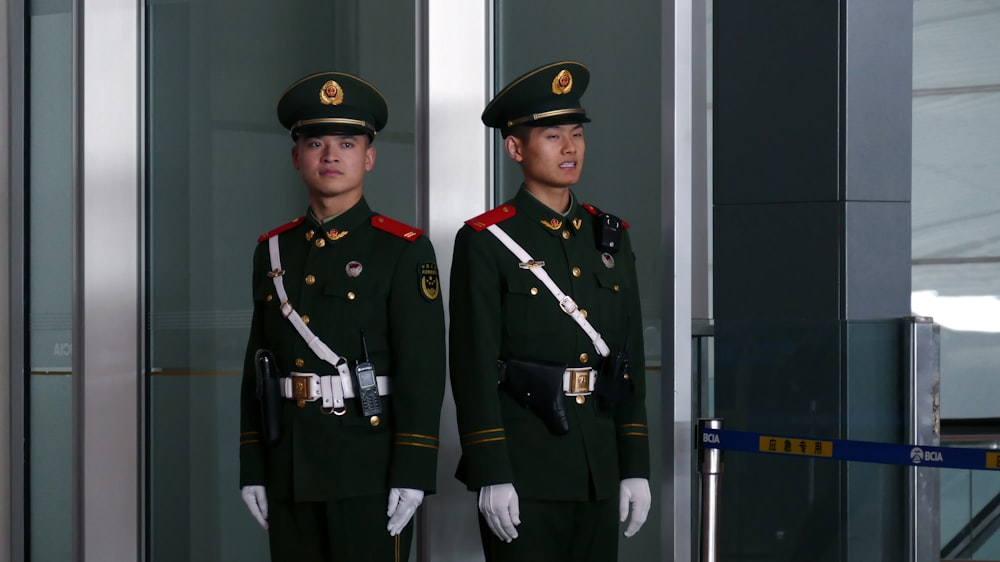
(366, 384)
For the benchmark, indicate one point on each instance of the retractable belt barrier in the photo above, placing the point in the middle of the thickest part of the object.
(862, 451)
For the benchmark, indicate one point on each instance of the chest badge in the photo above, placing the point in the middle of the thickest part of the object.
(353, 268)
(430, 288)
(530, 264)
(334, 234)
(552, 224)
(608, 259)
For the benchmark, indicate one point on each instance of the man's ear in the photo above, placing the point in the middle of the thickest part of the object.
(513, 146)
(295, 155)
(369, 158)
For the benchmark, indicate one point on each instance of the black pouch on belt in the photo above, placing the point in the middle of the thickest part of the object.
(614, 384)
(539, 388)
(269, 394)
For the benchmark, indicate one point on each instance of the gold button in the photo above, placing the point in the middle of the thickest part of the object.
(583, 312)
(300, 362)
(617, 288)
(309, 235)
(374, 420)
(534, 290)
(310, 279)
(270, 298)
(320, 242)
(576, 272)
(581, 399)
(584, 358)
(350, 295)
(305, 318)
(565, 235)
(626, 375)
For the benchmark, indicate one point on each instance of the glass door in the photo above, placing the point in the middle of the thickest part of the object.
(219, 175)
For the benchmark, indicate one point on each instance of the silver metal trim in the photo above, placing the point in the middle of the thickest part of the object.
(12, 337)
(923, 427)
(107, 303)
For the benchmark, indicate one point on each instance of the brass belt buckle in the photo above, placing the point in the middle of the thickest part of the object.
(579, 381)
(302, 390)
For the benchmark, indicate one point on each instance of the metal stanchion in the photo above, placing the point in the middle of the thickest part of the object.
(711, 479)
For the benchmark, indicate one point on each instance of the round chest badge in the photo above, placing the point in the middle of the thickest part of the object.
(608, 259)
(353, 268)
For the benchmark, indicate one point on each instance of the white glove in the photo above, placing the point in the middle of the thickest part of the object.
(403, 503)
(634, 491)
(256, 500)
(499, 506)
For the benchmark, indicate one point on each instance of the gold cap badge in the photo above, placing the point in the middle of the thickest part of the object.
(331, 94)
(562, 83)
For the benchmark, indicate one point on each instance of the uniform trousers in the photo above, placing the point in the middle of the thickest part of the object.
(347, 530)
(558, 531)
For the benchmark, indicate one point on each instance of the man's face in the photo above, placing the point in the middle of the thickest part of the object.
(551, 156)
(333, 165)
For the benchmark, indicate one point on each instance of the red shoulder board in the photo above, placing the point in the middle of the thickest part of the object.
(404, 231)
(497, 215)
(595, 211)
(282, 228)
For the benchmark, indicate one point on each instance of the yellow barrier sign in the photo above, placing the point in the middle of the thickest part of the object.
(993, 460)
(788, 446)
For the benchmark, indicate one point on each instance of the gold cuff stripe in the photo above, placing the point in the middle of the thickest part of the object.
(482, 432)
(249, 433)
(418, 435)
(635, 434)
(544, 114)
(249, 441)
(481, 441)
(416, 444)
(634, 425)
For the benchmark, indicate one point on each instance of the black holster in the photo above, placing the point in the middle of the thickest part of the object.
(539, 388)
(614, 381)
(269, 395)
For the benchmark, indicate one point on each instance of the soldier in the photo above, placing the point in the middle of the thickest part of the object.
(344, 369)
(547, 364)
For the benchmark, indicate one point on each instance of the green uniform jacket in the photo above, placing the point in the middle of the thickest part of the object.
(500, 310)
(392, 295)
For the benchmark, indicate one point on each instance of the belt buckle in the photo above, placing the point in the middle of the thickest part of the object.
(580, 381)
(302, 390)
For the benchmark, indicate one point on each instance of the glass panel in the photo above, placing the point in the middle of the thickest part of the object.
(622, 172)
(956, 235)
(50, 280)
(220, 174)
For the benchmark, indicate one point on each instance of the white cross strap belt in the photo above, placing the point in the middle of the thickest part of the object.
(566, 303)
(312, 340)
(332, 389)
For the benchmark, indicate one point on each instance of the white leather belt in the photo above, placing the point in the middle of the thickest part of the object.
(332, 389)
(579, 381)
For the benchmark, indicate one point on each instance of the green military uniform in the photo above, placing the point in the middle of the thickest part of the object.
(357, 273)
(499, 311)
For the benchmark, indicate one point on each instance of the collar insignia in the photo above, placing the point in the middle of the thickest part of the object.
(335, 234)
(553, 224)
(577, 223)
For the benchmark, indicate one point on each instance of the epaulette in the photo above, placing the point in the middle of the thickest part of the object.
(595, 211)
(282, 228)
(491, 217)
(394, 227)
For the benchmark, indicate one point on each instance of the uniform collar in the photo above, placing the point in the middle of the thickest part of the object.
(551, 221)
(342, 224)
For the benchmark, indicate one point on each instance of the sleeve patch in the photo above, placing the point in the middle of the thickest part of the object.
(491, 217)
(430, 286)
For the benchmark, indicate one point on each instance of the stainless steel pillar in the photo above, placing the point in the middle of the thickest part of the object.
(923, 427)
(711, 481)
